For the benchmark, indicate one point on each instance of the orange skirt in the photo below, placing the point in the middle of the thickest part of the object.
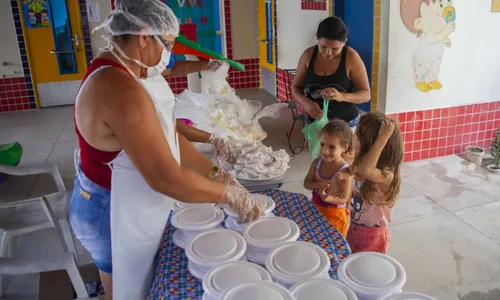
(339, 217)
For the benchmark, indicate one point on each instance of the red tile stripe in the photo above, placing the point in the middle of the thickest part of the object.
(282, 88)
(445, 131)
(313, 5)
(13, 94)
(227, 21)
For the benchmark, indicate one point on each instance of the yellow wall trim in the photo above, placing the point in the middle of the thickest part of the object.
(376, 54)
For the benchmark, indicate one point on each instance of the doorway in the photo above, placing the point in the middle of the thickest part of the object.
(53, 31)
(267, 45)
(360, 24)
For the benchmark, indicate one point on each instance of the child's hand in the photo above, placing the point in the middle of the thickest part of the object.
(386, 128)
(324, 184)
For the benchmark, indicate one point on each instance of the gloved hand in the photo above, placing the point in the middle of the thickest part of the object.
(220, 143)
(224, 177)
(213, 66)
(242, 202)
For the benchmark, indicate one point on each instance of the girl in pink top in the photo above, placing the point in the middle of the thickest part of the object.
(379, 154)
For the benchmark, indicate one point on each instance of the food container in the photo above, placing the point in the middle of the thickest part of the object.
(295, 262)
(267, 204)
(264, 234)
(257, 290)
(322, 289)
(409, 296)
(181, 205)
(231, 274)
(192, 220)
(232, 223)
(372, 275)
(214, 247)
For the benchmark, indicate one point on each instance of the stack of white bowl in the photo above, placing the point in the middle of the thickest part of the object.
(212, 248)
(371, 275)
(230, 274)
(265, 234)
(407, 296)
(267, 204)
(192, 220)
(320, 289)
(258, 290)
(296, 262)
(178, 205)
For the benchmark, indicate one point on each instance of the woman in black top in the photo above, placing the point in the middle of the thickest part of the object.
(334, 71)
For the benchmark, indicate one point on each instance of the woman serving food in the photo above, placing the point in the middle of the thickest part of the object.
(133, 165)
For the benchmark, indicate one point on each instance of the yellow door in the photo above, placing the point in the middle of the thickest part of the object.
(53, 32)
(267, 45)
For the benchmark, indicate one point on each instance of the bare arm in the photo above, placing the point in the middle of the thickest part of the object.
(185, 67)
(344, 196)
(192, 159)
(310, 182)
(192, 134)
(132, 117)
(311, 107)
(359, 77)
(443, 34)
(367, 167)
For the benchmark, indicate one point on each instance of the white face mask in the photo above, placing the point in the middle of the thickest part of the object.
(161, 66)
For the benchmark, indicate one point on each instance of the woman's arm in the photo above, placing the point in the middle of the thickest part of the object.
(357, 73)
(367, 167)
(185, 67)
(192, 134)
(132, 117)
(311, 107)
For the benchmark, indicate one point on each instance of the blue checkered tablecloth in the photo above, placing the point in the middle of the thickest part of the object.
(173, 280)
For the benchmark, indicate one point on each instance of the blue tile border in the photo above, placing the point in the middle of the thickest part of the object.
(22, 51)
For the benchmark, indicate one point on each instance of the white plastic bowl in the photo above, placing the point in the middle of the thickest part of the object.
(409, 296)
(232, 223)
(181, 205)
(295, 262)
(372, 275)
(258, 290)
(213, 247)
(230, 274)
(322, 289)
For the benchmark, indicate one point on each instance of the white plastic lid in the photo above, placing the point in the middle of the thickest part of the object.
(231, 274)
(232, 223)
(271, 232)
(215, 246)
(371, 273)
(297, 261)
(409, 296)
(257, 290)
(267, 203)
(319, 289)
(196, 271)
(198, 217)
(180, 205)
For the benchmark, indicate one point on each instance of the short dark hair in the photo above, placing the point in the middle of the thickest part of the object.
(340, 129)
(332, 28)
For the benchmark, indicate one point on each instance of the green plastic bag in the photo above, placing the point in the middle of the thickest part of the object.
(312, 131)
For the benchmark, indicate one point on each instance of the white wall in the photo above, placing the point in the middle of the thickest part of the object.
(296, 29)
(9, 49)
(96, 40)
(383, 57)
(470, 69)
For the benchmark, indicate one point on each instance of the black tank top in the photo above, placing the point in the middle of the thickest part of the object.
(338, 80)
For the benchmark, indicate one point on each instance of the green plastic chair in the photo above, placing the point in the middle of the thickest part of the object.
(10, 154)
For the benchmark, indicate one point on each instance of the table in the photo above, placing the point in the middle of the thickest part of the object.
(173, 280)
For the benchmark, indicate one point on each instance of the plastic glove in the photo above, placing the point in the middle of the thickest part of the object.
(224, 177)
(213, 66)
(242, 202)
(221, 144)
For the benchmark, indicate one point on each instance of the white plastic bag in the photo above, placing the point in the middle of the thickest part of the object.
(214, 82)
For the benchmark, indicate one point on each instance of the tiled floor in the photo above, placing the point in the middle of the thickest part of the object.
(446, 229)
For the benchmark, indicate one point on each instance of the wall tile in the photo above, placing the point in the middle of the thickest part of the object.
(313, 5)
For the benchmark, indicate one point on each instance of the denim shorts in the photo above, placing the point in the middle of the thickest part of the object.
(90, 219)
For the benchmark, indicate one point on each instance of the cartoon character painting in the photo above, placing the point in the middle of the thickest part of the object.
(32, 18)
(45, 18)
(433, 21)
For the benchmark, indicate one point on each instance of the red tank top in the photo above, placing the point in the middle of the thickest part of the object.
(94, 162)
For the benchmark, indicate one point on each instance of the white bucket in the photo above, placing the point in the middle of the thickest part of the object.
(474, 154)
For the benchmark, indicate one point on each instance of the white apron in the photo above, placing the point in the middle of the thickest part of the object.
(138, 213)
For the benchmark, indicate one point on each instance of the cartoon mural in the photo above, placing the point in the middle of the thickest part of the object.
(432, 21)
(36, 13)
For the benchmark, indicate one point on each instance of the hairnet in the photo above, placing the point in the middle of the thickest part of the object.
(141, 17)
